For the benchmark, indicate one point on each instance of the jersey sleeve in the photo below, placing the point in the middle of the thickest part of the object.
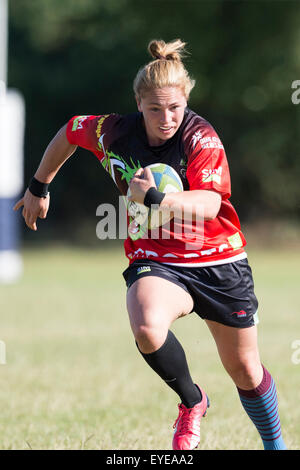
(90, 131)
(207, 166)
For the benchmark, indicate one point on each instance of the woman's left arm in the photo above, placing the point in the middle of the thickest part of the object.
(195, 203)
(190, 204)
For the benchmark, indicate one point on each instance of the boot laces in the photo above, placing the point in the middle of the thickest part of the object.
(184, 420)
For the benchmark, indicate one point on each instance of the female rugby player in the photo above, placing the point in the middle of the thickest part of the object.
(169, 277)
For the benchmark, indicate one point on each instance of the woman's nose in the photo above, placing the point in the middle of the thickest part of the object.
(165, 117)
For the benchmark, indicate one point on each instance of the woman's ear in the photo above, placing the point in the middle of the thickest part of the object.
(138, 102)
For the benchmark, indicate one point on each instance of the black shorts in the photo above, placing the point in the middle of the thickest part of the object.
(222, 293)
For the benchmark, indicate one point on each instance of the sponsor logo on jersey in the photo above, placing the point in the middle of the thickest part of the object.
(211, 143)
(98, 132)
(196, 138)
(99, 125)
(240, 314)
(235, 241)
(143, 269)
(77, 123)
(212, 175)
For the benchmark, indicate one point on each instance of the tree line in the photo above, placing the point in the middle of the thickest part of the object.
(80, 57)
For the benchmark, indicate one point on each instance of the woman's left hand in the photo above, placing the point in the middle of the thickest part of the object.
(140, 183)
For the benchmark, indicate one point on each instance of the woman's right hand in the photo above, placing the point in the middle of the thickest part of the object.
(34, 207)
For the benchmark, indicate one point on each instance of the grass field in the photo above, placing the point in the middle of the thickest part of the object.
(73, 378)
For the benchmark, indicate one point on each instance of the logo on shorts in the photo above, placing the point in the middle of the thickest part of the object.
(143, 269)
(240, 314)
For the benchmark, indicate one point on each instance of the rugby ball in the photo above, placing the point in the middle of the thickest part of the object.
(167, 180)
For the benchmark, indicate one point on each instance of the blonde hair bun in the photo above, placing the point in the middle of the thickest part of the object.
(173, 50)
(166, 70)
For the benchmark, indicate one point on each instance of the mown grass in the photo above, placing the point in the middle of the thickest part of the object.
(73, 377)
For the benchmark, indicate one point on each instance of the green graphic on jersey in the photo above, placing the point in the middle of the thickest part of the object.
(126, 171)
(137, 231)
(112, 162)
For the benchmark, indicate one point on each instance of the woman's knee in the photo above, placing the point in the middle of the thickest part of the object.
(144, 333)
(245, 372)
(149, 337)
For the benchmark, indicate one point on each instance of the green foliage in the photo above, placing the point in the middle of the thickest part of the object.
(81, 56)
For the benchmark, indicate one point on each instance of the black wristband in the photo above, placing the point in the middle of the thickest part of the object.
(37, 188)
(153, 197)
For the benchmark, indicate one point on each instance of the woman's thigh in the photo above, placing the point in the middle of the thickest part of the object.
(239, 353)
(154, 303)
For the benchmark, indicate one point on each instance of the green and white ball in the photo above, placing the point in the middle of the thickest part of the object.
(167, 180)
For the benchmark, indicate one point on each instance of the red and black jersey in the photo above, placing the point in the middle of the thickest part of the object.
(197, 155)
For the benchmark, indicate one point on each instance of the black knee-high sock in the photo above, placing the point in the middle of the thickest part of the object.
(169, 362)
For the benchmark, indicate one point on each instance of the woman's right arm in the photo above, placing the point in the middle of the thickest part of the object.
(57, 152)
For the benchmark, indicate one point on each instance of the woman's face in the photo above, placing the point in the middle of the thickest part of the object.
(163, 111)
